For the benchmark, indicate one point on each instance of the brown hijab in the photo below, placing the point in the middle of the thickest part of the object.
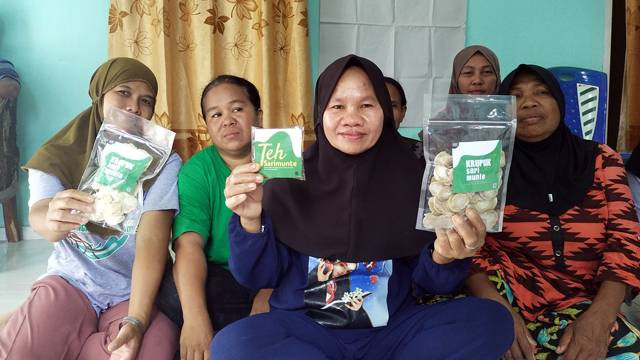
(66, 154)
(461, 59)
(351, 207)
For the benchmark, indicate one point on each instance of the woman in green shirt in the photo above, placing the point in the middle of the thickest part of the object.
(209, 295)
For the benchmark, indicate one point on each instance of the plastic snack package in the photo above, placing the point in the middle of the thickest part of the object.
(127, 151)
(278, 151)
(468, 146)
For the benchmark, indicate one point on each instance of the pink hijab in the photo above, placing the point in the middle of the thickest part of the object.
(461, 59)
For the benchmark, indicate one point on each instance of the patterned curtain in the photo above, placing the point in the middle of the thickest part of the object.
(629, 135)
(188, 42)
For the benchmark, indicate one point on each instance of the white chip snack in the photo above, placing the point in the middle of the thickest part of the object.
(443, 158)
(129, 203)
(489, 218)
(468, 145)
(111, 205)
(127, 151)
(443, 173)
(443, 203)
(116, 183)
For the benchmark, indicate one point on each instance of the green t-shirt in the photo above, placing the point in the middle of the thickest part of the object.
(202, 210)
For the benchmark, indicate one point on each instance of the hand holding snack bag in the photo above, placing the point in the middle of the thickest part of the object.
(128, 150)
(468, 147)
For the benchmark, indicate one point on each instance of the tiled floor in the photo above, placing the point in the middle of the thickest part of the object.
(20, 265)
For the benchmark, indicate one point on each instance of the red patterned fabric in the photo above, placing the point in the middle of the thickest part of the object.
(600, 243)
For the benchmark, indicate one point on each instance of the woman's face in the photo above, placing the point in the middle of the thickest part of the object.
(133, 96)
(229, 116)
(353, 118)
(538, 111)
(477, 76)
(396, 103)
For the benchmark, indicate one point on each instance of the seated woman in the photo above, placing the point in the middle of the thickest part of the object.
(476, 71)
(343, 273)
(399, 107)
(398, 100)
(96, 299)
(568, 252)
(208, 297)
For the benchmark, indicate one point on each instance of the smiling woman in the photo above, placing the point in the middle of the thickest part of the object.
(329, 246)
(353, 119)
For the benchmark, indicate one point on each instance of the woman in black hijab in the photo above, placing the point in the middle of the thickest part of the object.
(355, 213)
(569, 248)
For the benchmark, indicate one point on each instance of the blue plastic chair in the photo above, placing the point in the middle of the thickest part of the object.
(585, 93)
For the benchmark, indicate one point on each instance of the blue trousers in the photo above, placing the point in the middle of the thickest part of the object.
(467, 328)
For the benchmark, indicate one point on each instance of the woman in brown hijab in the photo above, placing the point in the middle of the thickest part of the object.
(96, 299)
(476, 71)
(341, 248)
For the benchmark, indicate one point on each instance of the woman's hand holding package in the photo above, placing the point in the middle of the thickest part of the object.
(243, 194)
(461, 242)
(67, 210)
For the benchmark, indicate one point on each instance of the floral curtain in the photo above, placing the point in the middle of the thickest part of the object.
(629, 135)
(188, 42)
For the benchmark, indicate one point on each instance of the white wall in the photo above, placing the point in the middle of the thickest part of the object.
(413, 41)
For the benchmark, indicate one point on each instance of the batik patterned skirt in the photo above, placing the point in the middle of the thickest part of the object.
(548, 328)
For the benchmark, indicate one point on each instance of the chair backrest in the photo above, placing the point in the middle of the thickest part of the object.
(585, 93)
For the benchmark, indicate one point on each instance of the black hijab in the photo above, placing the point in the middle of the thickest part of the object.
(351, 207)
(562, 164)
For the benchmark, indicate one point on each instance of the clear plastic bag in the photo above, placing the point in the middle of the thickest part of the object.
(127, 151)
(468, 144)
(278, 151)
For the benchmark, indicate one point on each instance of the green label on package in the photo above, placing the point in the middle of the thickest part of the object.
(279, 152)
(120, 172)
(476, 166)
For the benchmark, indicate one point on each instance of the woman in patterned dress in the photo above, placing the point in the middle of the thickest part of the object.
(568, 254)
